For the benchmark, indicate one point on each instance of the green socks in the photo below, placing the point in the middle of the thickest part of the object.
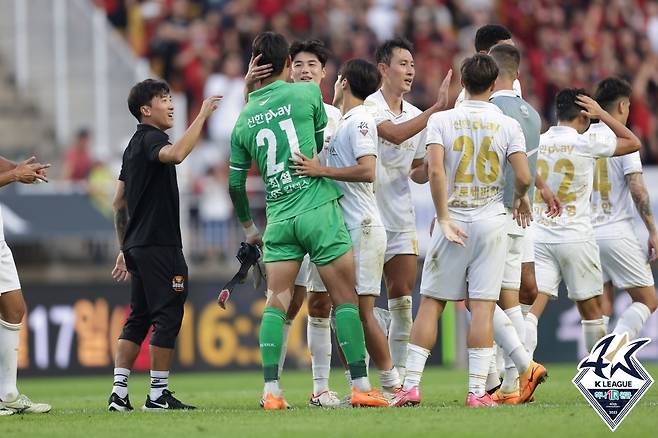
(349, 332)
(270, 340)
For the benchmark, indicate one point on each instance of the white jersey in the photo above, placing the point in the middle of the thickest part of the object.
(612, 205)
(333, 116)
(2, 227)
(393, 166)
(355, 137)
(477, 138)
(566, 163)
(516, 86)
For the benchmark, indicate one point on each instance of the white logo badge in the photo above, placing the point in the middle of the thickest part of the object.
(612, 379)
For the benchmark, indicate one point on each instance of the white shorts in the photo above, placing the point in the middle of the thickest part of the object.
(576, 263)
(369, 247)
(8, 274)
(448, 267)
(512, 272)
(309, 277)
(399, 243)
(528, 254)
(624, 262)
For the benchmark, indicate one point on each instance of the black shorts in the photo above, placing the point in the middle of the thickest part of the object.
(157, 294)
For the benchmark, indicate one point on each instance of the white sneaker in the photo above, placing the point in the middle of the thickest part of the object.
(326, 399)
(24, 405)
(4, 411)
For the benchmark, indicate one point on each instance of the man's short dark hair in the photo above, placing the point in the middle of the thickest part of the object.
(489, 35)
(384, 52)
(142, 93)
(315, 47)
(362, 76)
(479, 72)
(610, 90)
(507, 57)
(566, 106)
(274, 48)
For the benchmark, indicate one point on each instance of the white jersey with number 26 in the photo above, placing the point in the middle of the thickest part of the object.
(477, 138)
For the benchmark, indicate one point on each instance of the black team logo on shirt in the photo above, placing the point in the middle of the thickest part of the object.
(178, 283)
(363, 128)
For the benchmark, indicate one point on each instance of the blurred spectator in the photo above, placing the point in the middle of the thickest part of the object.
(102, 183)
(215, 210)
(77, 161)
(227, 82)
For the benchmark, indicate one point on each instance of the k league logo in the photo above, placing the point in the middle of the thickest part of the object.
(612, 379)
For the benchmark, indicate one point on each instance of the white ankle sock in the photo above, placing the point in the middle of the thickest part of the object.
(632, 320)
(9, 338)
(507, 339)
(272, 387)
(159, 382)
(318, 333)
(530, 343)
(525, 309)
(120, 385)
(284, 345)
(361, 384)
(416, 358)
(479, 360)
(493, 378)
(398, 335)
(593, 330)
(348, 377)
(511, 375)
(389, 379)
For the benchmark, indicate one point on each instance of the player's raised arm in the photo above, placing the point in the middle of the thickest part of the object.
(26, 172)
(627, 142)
(398, 133)
(255, 74)
(177, 152)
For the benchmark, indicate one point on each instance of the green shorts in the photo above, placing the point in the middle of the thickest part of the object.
(319, 232)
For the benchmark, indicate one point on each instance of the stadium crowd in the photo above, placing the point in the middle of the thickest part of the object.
(202, 46)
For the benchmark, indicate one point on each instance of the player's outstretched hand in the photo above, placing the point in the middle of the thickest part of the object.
(443, 96)
(210, 105)
(31, 171)
(522, 211)
(653, 247)
(120, 272)
(591, 108)
(452, 232)
(305, 166)
(553, 206)
(256, 72)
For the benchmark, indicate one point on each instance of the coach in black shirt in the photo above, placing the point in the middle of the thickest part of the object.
(147, 219)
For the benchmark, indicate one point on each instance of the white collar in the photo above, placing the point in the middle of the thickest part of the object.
(505, 93)
(351, 112)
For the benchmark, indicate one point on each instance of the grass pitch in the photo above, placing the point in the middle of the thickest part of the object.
(229, 408)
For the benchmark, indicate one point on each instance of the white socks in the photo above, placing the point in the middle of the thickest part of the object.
(159, 382)
(416, 358)
(120, 385)
(531, 334)
(9, 335)
(361, 384)
(272, 387)
(398, 335)
(507, 339)
(479, 360)
(632, 320)
(511, 375)
(593, 330)
(389, 379)
(318, 333)
(284, 345)
(493, 378)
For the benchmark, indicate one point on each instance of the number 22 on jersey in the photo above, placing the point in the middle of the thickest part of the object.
(267, 137)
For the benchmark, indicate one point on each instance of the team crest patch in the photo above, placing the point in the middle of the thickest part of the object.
(612, 379)
(178, 283)
(363, 128)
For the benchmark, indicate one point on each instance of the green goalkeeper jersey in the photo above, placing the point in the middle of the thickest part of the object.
(281, 119)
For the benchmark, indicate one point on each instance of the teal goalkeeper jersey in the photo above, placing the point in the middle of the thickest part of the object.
(281, 119)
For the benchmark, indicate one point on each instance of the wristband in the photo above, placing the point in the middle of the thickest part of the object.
(251, 231)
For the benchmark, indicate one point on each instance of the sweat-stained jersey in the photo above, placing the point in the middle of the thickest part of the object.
(477, 138)
(566, 163)
(281, 119)
(612, 205)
